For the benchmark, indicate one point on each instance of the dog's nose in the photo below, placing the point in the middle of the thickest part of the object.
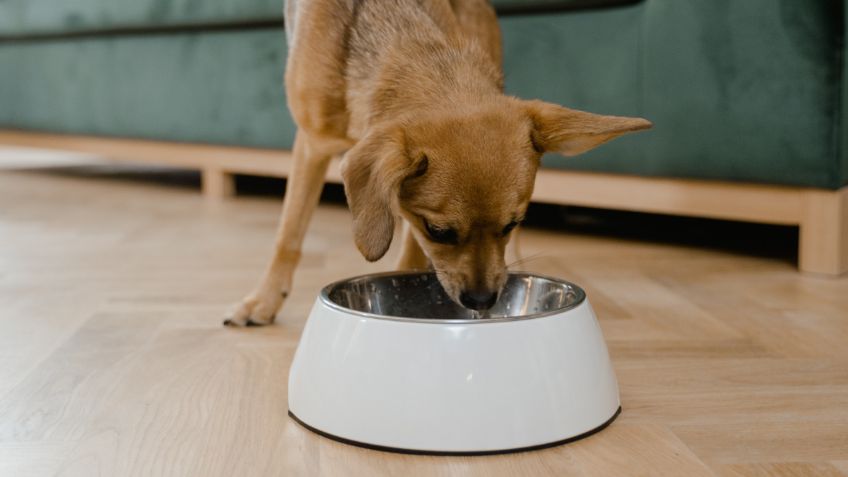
(478, 300)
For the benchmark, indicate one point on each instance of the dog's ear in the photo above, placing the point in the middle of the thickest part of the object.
(571, 132)
(372, 172)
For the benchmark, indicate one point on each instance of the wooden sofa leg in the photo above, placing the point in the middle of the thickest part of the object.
(217, 184)
(824, 232)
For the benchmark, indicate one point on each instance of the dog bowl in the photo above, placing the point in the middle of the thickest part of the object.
(388, 361)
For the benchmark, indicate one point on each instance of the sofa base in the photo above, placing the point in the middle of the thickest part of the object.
(821, 215)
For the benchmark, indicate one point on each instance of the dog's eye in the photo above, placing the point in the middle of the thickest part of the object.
(506, 230)
(440, 235)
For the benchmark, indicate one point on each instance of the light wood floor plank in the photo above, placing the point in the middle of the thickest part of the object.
(789, 469)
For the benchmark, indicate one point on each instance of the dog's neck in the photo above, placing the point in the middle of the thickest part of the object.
(418, 76)
(405, 58)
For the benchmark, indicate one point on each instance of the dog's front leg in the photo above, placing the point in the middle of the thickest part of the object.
(303, 191)
(411, 255)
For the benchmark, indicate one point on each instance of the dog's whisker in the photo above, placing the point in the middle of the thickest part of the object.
(523, 260)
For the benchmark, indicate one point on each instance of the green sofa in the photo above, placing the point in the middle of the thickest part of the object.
(739, 91)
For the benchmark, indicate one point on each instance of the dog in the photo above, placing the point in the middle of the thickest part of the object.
(411, 91)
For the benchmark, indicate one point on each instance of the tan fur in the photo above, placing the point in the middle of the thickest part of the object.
(412, 90)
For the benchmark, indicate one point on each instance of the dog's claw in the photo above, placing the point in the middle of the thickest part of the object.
(258, 309)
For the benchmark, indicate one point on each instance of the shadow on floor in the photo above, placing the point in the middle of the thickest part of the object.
(760, 240)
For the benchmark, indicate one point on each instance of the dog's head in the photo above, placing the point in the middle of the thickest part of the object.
(463, 181)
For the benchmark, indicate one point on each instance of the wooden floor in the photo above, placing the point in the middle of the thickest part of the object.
(113, 360)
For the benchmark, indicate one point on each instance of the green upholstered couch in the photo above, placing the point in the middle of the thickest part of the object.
(739, 91)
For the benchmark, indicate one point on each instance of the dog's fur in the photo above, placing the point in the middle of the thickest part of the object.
(412, 90)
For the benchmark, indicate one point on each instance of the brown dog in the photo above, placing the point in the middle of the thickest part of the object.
(413, 91)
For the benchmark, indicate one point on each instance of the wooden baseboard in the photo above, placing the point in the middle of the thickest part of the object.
(720, 200)
(225, 159)
(822, 215)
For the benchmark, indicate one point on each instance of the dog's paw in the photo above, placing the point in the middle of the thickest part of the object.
(257, 309)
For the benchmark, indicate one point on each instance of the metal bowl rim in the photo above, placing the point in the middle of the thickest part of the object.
(324, 296)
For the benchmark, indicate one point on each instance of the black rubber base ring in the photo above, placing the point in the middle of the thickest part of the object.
(455, 453)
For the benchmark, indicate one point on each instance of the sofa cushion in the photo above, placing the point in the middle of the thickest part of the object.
(221, 87)
(23, 18)
(741, 91)
(746, 90)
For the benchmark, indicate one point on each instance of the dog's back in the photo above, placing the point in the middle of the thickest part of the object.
(399, 39)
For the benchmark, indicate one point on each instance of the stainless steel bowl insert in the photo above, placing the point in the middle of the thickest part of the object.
(418, 297)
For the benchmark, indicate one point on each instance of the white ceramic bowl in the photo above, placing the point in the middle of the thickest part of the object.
(388, 361)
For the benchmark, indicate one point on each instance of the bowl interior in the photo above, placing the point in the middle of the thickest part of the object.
(419, 296)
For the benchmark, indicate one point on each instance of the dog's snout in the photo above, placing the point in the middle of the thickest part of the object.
(478, 300)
